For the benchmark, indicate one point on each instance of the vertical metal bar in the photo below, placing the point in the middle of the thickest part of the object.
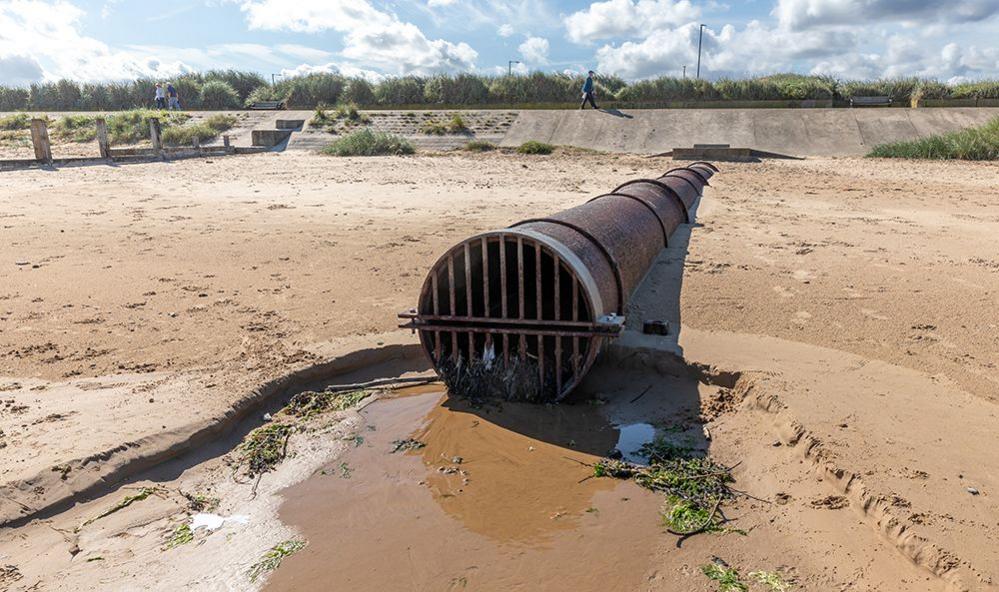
(520, 277)
(558, 316)
(575, 317)
(452, 300)
(502, 253)
(468, 298)
(539, 304)
(485, 276)
(503, 307)
(437, 334)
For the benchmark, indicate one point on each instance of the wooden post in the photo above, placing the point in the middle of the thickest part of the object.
(225, 143)
(40, 139)
(154, 133)
(102, 138)
(197, 143)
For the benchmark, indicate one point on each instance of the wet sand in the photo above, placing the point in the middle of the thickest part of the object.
(516, 513)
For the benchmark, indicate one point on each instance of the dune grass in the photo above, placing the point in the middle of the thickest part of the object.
(480, 146)
(369, 143)
(533, 147)
(976, 143)
(18, 121)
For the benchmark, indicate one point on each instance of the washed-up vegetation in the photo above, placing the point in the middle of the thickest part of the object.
(976, 143)
(180, 536)
(272, 559)
(265, 447)
(127, 501)
(233, 89)
(695, 487)
(728, 578)
(366, 142)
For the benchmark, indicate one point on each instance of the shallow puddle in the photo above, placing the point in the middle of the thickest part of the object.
(499, 498)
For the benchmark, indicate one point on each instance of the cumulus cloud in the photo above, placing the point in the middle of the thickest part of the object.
(59, 50)
(534, 50)
(804, 14)
(627, 18)
(334, 68)
(371, 36)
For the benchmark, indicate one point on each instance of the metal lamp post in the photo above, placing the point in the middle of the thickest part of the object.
(509, 67)
(700, 37)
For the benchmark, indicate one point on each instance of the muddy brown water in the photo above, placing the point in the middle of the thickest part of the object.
(498, 499)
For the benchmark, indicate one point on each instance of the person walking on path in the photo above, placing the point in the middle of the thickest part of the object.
(589, 92)
(173, 101)
(160, 96)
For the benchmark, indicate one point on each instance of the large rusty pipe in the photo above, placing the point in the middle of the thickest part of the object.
(528, 308)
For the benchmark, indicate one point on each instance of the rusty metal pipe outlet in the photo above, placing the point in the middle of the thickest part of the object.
(523, 312)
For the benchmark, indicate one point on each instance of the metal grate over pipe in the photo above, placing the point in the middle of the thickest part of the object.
(525, 310)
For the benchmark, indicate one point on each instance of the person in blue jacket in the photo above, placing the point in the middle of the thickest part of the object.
(588, 91)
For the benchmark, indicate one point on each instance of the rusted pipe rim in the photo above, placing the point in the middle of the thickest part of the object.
(707, 164)
(645, 203)
(684, 179)
(610, 258)
(661, 185)
(695, 171)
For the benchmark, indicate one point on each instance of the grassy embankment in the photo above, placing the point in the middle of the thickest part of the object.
(976, 143)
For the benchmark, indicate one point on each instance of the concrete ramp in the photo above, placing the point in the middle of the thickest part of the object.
(795, 132)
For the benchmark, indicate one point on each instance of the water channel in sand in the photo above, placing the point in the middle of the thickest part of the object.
(499, 498)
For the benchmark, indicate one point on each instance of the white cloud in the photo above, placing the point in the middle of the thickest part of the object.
(333, 68)
(804, 14)
(505, 30)
(303, 52)
(371, 36)
(534, 50)
(433, 3)
(58, 49)
(627, 18)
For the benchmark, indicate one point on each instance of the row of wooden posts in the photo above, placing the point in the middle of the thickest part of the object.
(43, 148)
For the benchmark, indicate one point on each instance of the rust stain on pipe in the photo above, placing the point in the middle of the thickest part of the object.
(526, 310)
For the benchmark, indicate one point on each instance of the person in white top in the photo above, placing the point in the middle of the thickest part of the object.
(160, 96)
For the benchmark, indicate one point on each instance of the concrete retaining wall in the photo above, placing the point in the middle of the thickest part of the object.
(794, 132)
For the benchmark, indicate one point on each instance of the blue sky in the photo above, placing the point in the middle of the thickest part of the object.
(116, 39)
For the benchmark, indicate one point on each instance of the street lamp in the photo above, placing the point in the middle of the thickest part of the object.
(509, 67)
(685, 72)
(700, 36)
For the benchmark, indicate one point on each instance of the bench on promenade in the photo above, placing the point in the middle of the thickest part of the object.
(869, 101)
(267, 105)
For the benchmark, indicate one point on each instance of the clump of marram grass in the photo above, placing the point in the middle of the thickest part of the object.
(695, 487)
(366, 142)
(220, 122)
(185, 135)
(272, 559)
(343, 115)
(976, 143)
(17, 121)
(534, 147)
(480, 146)
(456, 125)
